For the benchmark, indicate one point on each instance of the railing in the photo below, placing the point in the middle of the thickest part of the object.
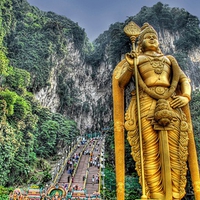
(66, 154)
(62, 165)
(86, 174)
(102, 166)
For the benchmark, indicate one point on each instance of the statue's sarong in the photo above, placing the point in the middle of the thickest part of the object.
(155, 152)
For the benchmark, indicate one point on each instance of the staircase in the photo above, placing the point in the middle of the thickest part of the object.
(80, 183)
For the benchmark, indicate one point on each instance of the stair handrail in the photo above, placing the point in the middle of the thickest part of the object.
(63, 165)
(102, 159)
(87, 171)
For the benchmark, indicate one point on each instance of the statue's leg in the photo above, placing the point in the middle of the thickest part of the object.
(175, 164)
(152, 165)
(178, 144)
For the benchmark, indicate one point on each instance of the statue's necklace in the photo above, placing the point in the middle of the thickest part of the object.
(157, 64)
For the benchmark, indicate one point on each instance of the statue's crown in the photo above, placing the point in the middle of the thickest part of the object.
(146, 28)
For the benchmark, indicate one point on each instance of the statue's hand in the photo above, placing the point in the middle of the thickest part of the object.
(179, 101)
(130, 58)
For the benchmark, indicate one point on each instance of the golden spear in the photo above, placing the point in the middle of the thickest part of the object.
(132, 30)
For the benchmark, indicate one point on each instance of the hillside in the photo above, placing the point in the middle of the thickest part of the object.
(65, 81)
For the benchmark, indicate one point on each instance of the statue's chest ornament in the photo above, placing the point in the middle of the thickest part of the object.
(157, 64)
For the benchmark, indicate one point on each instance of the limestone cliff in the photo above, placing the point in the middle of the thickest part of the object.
(92, 108)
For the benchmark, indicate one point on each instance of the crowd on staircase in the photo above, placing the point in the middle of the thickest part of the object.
(80, 178)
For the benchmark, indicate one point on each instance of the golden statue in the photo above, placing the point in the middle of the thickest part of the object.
(157, 121)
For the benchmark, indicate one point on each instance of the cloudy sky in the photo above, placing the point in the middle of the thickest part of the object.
(95, 16)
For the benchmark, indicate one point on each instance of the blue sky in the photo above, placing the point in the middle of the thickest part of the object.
(95, 16)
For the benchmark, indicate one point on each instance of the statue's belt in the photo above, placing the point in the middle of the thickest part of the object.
(159, 89)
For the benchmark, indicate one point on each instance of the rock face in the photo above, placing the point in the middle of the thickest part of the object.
(194, 68)
(91, 90)
(192, 61)
(92, 108)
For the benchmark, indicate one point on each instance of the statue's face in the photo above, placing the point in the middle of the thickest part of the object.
(150, 42)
